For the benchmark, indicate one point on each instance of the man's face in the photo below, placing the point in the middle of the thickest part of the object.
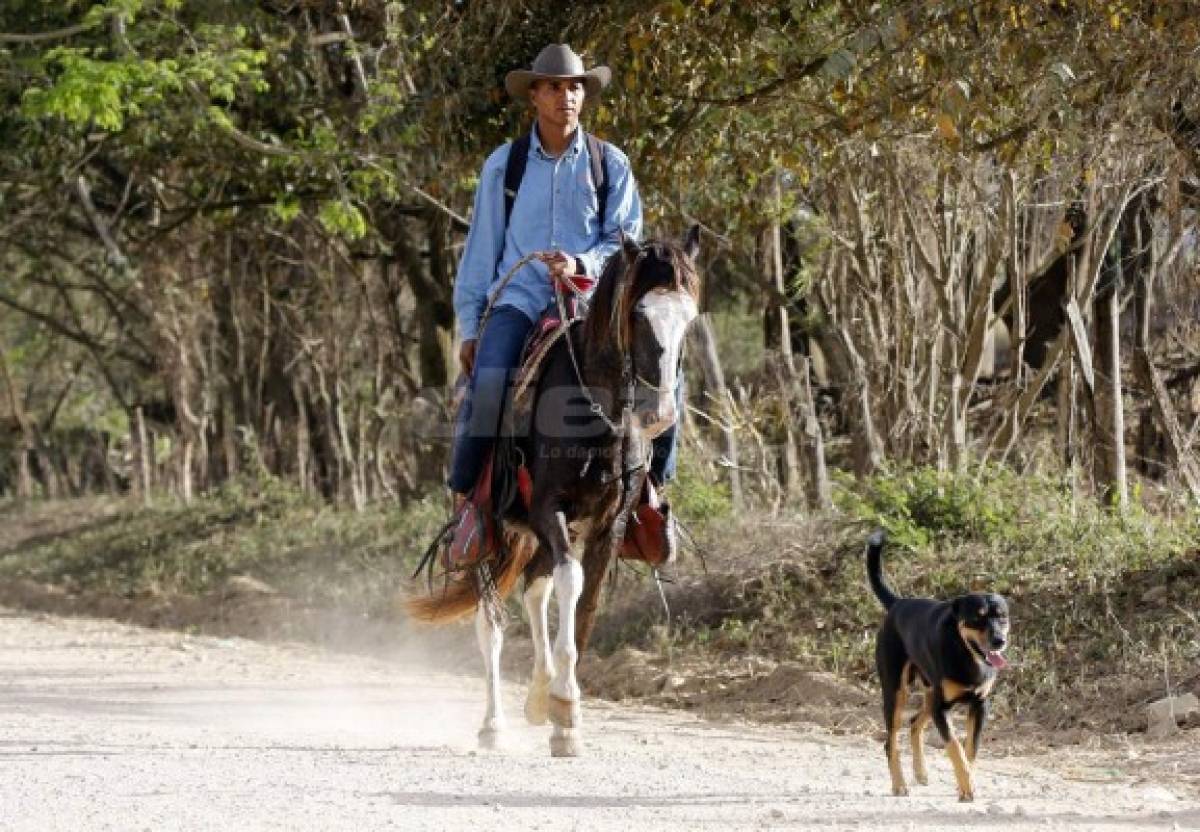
(558, 101)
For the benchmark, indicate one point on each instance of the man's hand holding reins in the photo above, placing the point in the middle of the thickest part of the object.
(559, 263)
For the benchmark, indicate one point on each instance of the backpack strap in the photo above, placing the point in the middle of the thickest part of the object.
(596, 152)
(514, 172)
(518, 156)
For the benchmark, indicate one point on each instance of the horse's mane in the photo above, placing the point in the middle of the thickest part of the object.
(625, 279)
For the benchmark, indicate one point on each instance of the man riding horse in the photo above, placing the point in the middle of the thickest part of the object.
(547, 199)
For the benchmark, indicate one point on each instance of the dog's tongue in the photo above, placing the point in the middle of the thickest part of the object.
(996, 660)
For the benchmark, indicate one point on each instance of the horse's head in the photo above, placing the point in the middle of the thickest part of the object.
(643, 310)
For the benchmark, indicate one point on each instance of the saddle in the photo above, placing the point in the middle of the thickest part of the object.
(650, 530)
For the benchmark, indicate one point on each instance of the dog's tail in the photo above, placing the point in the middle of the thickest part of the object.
(875, 570)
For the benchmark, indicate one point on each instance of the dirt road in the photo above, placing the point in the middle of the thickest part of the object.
(110, 727)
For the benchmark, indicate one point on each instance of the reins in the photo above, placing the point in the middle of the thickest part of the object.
(594, 406)
(626, 371)
(487, 311)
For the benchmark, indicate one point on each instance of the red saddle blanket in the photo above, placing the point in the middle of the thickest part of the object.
(649, 530)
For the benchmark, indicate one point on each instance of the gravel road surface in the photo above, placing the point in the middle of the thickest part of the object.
(104, 726)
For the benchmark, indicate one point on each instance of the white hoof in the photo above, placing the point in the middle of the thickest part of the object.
(537, 705)
(565, 746)
(491, 739)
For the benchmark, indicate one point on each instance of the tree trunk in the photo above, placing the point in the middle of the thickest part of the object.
(779, 284)
(1110, 411)
(718, 393)
(789, 472)
(142, 455)
(868, 447)
(818, 490)
(1165, 418)
(28, 440)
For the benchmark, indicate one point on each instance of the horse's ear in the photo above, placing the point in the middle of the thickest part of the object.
(691, 242)
(629, 246)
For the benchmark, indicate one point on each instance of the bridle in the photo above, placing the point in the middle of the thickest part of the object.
(630, 377)
(627, 374)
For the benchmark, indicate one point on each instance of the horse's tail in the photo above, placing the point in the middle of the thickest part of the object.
(459, 599)
(875, 570)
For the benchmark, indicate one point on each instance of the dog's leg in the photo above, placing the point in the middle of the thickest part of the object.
(976, 719)
(537, 605)
(919, 723)
(892, 664)
(490, 635)
(954, 749)
(899, 701)
(894, 714)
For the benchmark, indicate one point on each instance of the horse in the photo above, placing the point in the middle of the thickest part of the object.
(605, 390)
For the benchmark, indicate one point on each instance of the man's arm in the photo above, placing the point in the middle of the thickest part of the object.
(624, 213)
(485, 240)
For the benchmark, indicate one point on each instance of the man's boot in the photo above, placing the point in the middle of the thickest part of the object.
(473, 537)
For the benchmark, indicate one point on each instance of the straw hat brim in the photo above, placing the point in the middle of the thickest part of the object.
(518, 81)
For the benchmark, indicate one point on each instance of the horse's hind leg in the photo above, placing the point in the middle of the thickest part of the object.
(490, 633)
(537, 605)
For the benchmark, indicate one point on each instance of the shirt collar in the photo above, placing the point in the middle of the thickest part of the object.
(574, 150)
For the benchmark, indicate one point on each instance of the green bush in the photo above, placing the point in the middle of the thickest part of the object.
(695, 496)
(1034, 519)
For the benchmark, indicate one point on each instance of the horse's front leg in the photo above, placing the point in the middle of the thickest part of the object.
(564, 688)
(597, 555)
(537, 606)
(490, 633)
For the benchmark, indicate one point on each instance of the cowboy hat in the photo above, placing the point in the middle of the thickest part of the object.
(557, 61)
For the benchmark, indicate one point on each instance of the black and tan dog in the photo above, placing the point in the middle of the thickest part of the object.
(953, 649)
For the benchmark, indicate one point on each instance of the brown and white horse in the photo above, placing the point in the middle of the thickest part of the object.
(601, 398)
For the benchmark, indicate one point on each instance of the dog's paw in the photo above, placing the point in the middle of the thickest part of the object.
(899, 791)
(922, 778)
(966, 797)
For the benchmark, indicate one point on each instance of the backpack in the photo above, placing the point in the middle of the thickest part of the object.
(514, 171)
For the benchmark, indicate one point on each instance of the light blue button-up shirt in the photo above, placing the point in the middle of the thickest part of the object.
(556, 208)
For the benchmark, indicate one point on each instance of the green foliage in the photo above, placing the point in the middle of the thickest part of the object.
(1034, 520)
(103, 93)
(696, 497)
(920, 507)
(261, 527)
(344, 218)
(286, 208)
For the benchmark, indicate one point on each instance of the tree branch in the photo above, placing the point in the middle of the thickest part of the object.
(54, 34)
(78, 336)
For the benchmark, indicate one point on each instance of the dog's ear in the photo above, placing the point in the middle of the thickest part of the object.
(961, 607)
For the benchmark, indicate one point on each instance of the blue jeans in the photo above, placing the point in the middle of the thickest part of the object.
(666, 445)
(478, 424)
